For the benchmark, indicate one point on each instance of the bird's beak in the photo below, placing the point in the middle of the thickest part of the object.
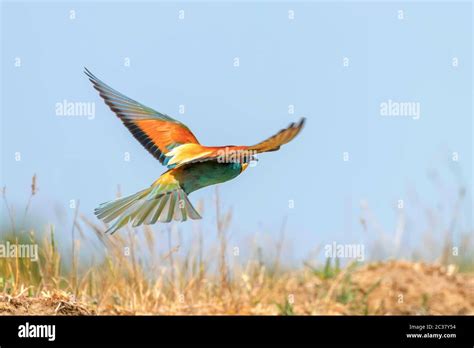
(244, 166)
(253, 161)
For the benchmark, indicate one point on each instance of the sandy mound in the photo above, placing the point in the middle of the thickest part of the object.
(401, 287)
(57, 303)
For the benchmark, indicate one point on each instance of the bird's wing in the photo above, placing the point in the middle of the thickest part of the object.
(188, 154)
(157, 132)
(282, 137)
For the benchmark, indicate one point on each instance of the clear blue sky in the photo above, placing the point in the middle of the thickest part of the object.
(283, 62)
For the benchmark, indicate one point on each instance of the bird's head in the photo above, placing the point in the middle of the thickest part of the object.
(249, 160)
(239, 156)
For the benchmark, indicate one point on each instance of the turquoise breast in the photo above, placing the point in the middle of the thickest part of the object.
(199, 175)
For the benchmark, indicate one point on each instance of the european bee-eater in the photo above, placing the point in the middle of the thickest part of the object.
(191, 166)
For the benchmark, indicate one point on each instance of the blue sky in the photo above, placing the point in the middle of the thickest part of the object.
(283, 61)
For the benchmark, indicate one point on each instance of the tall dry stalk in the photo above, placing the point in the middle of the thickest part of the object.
(279, 246)
(170, 256)
(34, 190)
(131, 237)
(73, 249)
(220, 222)
(200, 247)
(447, 252)
(10, 210)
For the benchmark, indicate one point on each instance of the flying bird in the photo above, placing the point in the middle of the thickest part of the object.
(191, 166)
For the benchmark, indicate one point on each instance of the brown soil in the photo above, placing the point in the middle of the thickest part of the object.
(57, 303)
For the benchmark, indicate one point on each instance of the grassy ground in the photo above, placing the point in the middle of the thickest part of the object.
(123, 284)
(394, 287)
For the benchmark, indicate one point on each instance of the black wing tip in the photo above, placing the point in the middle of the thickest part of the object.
(299, 125)
(88, 72)
(302, 122)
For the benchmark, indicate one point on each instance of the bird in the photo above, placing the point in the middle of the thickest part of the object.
(190, 165)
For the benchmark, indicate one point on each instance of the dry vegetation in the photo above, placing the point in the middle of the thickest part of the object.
(133, 277)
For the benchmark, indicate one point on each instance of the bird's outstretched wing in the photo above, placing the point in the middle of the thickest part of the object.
(157, 132)
(224, 154)
(282, 137)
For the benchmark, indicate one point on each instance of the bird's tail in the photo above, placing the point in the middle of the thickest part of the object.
(147, 207)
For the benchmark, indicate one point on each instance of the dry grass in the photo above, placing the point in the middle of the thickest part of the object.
(133, 277)
(395, 287)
